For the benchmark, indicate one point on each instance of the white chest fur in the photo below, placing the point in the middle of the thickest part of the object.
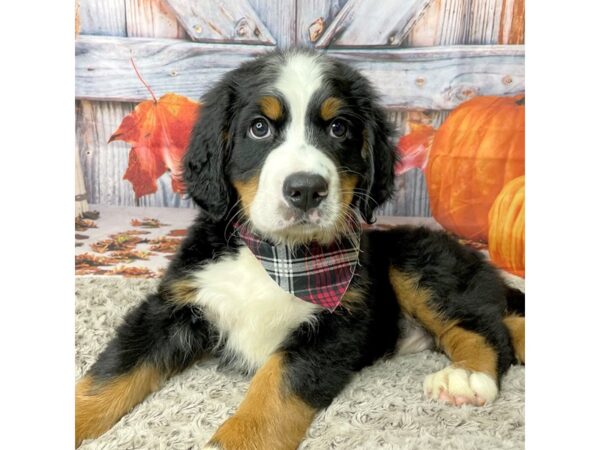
(253, 314)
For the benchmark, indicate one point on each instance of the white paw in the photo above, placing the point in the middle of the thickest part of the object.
(459, 387)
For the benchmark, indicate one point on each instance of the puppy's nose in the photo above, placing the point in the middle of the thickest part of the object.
(305, 190)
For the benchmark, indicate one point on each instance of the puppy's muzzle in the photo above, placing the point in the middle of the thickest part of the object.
(304, 190)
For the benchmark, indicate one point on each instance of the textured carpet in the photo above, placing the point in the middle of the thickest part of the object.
(382, 408)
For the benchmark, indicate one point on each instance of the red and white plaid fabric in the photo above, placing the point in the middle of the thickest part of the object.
(314, 273)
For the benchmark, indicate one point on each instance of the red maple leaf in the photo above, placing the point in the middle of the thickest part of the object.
(159, 131)
(413, 148)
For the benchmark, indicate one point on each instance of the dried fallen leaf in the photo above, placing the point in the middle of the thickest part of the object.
(159, 132)
(164, 244)
(82, 224)
(128, 238)
(90, 270)
(116, 242)
(177, 233)
(131, 233)
(130, 255)
(88, 259)
(132, 271)
(147, 222)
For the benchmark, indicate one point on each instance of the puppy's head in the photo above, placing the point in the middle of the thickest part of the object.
(291, 143)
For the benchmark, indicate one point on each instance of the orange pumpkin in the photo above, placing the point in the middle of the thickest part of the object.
(506, 240)
(478, 148)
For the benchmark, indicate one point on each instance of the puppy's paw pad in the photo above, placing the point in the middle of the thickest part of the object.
(460, 387)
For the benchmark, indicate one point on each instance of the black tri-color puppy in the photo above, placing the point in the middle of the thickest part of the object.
(275, 277)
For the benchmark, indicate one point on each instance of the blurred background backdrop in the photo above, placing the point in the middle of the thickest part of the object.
(450, 73)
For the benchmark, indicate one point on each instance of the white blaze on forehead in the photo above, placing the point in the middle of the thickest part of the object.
(300, 77)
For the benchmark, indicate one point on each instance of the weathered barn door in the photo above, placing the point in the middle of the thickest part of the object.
(175, 44)
(425, 57)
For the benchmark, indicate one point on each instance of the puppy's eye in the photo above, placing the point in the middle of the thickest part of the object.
(338, 128)
(260, 129)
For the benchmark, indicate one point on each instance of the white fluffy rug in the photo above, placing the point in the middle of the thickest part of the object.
(382, 408)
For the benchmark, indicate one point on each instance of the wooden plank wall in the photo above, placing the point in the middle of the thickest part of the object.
(444, 22)
(409, 78)
(104, 164)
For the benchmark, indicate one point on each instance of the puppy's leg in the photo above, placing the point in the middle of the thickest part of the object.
(309, 371)
(100, 403)
(271, 416)
(470, 332)
(473, 376)
(516, 327)
(154, 341)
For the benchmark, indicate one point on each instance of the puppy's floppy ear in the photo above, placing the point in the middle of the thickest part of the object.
(380, 153)
(207, 153)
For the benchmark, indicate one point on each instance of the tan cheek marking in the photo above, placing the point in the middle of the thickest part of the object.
(364, 152)
(347, 185)
(465, 348)
(98, 406)
(269, 416)
(271, 107)
(247, 192)
(516, 328)
(330, 108)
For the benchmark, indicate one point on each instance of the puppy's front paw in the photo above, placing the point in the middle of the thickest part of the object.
(460, 387)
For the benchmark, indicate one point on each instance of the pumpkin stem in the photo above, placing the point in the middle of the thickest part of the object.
(521, 101)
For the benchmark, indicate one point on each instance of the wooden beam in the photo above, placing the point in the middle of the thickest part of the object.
(370, 23)
(103, 69)
(222, 21)
(418, 78)
(440, 78)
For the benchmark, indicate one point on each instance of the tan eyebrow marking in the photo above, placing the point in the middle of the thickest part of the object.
(330, 107)
(271, 107)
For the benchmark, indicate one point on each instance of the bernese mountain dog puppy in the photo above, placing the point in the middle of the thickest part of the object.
(275, 277)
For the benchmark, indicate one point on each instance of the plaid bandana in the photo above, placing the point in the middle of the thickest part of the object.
(314, 273)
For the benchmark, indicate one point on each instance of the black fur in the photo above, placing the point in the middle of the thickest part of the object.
(209, 165)
(204, 161)
(322, 357)
(378, 182)
(463, 286)
(515, 302)
(157, 334)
